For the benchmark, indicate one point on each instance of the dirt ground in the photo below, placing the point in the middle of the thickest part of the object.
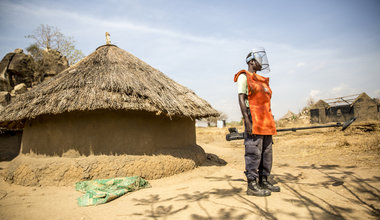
(323, 174)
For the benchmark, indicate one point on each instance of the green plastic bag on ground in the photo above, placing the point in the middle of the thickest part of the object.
(104, 190)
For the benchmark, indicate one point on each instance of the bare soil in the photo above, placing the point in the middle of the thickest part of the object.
(323, 174)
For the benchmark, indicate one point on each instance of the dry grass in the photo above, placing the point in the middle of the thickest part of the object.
(359, 145)
(330, 146)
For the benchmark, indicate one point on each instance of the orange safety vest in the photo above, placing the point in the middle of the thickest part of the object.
(259, 95)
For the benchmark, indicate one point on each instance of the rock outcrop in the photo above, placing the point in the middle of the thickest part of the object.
(51, 63)
(16, 68)
(19, 71)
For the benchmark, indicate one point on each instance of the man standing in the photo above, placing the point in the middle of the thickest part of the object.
(254, 100)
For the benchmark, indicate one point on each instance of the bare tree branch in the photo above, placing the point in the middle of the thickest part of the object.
(49, 37)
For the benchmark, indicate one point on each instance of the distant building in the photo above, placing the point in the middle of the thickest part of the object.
(344, 108)
(201, 123)
(221, 123)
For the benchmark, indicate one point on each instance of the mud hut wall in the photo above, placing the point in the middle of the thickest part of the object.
(322, 115)
(339, 113)
(365, 108)
(318, 115)
(106, 132)
(319, 112)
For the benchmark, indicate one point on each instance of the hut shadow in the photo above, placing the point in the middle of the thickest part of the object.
(353, 188)
(213, 160)
(10, 142)
(195, 153)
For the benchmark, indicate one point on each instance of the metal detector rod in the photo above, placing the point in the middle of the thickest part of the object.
(235, 135)
(311, 127)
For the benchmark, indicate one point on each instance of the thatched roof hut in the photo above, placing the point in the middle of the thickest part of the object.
(110, 98)
(109, 78)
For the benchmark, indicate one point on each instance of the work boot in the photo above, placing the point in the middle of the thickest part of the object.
(265, 184)
(255, 190)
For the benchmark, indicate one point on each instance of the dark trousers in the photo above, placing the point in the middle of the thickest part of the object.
(258, 155)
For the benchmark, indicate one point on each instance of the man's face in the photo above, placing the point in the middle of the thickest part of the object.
(256, 65)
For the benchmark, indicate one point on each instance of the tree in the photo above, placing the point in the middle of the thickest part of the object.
(35, 51)
(49, 37)
(310, 102)
(222, 116)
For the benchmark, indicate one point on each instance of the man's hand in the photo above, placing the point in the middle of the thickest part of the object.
(244, 112)
(248, 126)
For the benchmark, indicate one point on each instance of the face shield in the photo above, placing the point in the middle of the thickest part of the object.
(260, 56)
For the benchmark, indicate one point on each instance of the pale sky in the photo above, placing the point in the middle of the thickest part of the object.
(323, 49)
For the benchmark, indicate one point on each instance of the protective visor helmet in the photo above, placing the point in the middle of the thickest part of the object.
(260, 56)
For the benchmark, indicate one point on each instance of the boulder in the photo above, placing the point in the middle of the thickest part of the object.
(19, 88)
(16, 68)
(5, 98)
(4, 84)
(4, 76)
(51, 64)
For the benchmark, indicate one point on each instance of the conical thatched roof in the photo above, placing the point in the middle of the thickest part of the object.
(109, 78)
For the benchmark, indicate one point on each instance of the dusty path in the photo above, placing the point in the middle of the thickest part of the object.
(313, 186)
